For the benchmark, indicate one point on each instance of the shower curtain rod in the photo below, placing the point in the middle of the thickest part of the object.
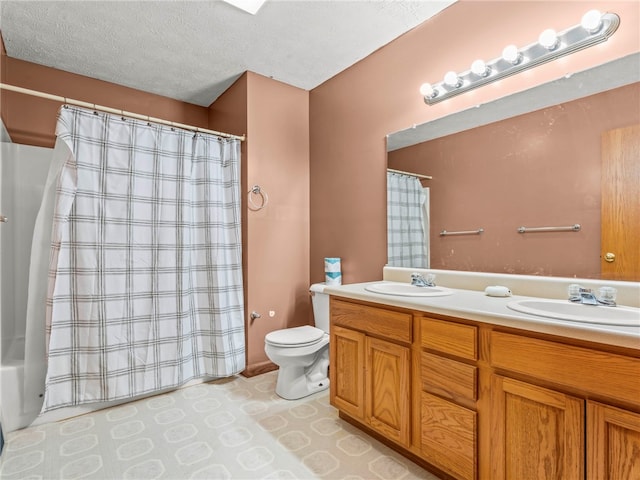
(426, 177)
(116, 111)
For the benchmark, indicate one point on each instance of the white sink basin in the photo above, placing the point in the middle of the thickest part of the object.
(407, 290)
(577, 312)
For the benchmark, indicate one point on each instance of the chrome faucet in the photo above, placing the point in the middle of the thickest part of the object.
(419, 281)
(586, 296)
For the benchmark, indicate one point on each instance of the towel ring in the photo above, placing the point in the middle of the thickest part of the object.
(256, 190)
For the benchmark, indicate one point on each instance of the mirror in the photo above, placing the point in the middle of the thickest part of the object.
(533, 159)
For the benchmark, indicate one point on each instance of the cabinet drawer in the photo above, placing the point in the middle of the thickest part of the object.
(371, 320)
(592, 371)
(448, 378)
(449, 436)
(450, 337)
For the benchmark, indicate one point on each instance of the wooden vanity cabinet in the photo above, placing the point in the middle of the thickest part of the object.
(613, 442)
(387, 389)
(540, 433)
(448, 396)
(541, 430)
(537, 432)
(370, 367)
(346, 374)
(482, 402)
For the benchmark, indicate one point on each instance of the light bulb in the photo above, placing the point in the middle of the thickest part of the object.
(511, 54)
(452, 79)
(548, 39)
(480, 68)
(427, 90)
(592, 21)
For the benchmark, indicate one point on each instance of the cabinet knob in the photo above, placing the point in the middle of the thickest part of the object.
(609, 257)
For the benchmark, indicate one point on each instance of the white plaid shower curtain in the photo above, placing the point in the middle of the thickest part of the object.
(406, 239)
(145, 278)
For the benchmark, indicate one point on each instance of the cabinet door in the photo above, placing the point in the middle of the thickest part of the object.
(388, 390)
(536, 433)
(613, 443)
(346, 371)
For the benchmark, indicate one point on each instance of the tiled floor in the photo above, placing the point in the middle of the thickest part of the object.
(229, 429)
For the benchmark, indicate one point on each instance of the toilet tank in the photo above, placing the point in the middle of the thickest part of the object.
(320, 302)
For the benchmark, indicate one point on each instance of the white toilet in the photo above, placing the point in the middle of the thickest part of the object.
(302, 353)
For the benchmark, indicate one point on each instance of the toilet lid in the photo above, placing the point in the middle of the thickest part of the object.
(295, 337)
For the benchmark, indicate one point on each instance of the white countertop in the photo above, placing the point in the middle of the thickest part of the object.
(475, 305)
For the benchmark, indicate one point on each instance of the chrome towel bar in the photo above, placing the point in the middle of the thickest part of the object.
(444, 233)
(570, 228)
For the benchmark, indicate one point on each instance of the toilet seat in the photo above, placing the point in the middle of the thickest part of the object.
(295, 337)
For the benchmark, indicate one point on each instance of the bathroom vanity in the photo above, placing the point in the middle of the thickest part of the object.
(469, 388)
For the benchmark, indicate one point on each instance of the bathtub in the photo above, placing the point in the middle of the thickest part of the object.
(11, 388)
(17, 413)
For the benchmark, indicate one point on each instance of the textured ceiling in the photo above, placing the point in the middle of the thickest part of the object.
(194, 50)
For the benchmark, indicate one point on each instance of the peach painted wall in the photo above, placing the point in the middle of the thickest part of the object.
(537, 169)
(229, 114)
(32, 121)
(278, 247)
(276, 252)
(352, 112)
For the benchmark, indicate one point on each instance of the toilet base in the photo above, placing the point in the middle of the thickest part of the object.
(300, 389)
(297, 381)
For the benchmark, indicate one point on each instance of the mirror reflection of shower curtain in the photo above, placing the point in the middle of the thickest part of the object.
(407, 232)
(426, 224)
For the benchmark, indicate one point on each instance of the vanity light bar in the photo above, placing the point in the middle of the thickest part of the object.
(593, 29)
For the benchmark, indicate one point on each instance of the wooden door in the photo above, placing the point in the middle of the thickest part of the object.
(613, 443)
(346, 372)
(536, 433)
(620, 210)
(387, 387)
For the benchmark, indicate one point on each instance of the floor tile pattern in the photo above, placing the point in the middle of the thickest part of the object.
(235, 428)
